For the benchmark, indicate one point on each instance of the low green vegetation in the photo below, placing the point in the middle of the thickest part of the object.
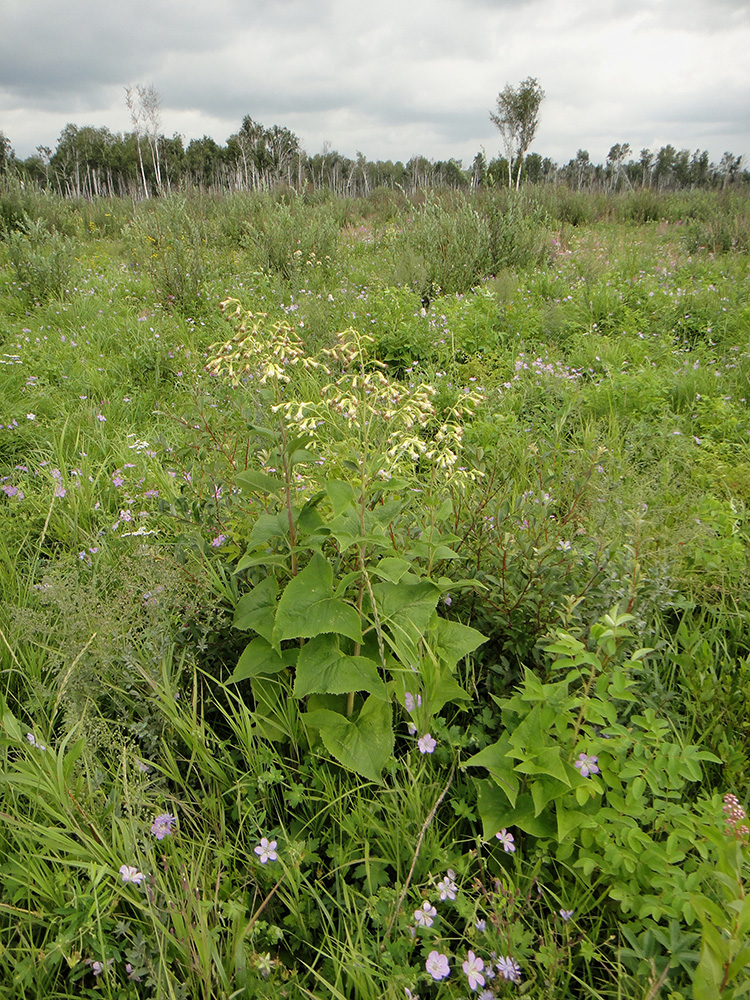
(374, 596)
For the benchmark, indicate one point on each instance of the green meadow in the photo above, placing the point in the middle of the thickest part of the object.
(374, 595)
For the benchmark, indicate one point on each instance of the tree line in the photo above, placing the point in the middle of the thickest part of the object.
(89, 162)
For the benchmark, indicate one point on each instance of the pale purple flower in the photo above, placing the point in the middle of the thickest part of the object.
(447, 886)
(98, 967)
(587, 765)
(410, 703)
(412, 729)
(35, 742)
(163, 825)
(509, 969)
(506, 839)
(566, 915)
(407, 991)
(426, 743)
(130, 874)
(131, 973)
(219, 540)
(486, 995)
(481, 925)
(437, 965)
(425, 916)
(101, 418)
(266, 850)
(473, 968)
(447, 600)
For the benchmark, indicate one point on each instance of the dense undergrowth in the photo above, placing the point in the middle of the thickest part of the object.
(374, 596)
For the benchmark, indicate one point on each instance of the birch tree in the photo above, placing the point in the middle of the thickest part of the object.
(517, 117)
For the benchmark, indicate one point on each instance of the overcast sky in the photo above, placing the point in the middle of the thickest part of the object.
(392, 78)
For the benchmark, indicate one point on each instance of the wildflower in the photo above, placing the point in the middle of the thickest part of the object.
(98, 967)
(735, 815)
(101, 418)
(506, 839)
(132, 973)
(219, 540)
(410, 702)
(264, 965)
(509, 969)
(35, 742)
(587, 765)
(426, 743)
(481, 925)
(437, 965)
(447, 886)
(425, 916)
(130, 874)
(411, 728)
(266, 850)
(473, 968)
(566, 915)
(31, 416)
(447, 600)
(163, 825)
(486, 995)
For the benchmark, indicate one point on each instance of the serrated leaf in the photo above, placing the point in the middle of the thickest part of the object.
(259, 658)
(257, 609)
(363, 746)
(308, 608)
(322, 668)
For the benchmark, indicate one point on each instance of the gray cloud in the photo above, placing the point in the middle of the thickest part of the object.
(389, 78)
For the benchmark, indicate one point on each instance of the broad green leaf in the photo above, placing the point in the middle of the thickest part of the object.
(253, 559)
(545, 790)
(440, 686)
(268, 527)
(406, 609)
(260, 658)
(569, 820)
(252, 481)
(496, 812)
(341, 495)
(391, 569)
(345, 528)
(455, 641)
(302, 457)
(495, 759)
(547, 761)
(257, 609)
(363, 746)
(323, 669)
(308, 608)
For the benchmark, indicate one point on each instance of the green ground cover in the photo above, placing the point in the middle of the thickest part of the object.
(374, 596)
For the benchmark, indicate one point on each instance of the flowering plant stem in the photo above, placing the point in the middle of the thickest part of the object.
(422, 832)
